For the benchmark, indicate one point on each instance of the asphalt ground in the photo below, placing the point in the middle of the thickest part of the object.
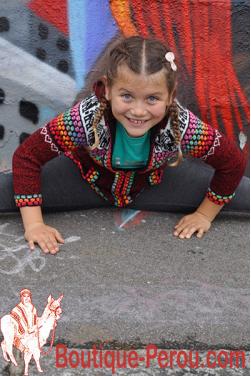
(128, 282)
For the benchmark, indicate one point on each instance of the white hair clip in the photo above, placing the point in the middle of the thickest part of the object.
(170, 57)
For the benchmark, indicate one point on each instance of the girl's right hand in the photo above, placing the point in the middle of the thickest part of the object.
(45, 236)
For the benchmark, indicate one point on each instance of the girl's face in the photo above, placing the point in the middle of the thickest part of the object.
(138, 101)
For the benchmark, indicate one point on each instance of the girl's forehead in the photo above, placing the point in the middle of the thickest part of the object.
(126, 77)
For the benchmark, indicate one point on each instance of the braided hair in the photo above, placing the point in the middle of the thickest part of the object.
(174, 116)
(97, 117)
(147, 56)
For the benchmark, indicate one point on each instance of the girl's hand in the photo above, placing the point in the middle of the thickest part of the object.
(188, 225)
(45, 236)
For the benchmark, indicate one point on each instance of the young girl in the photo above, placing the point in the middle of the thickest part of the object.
(128, 135)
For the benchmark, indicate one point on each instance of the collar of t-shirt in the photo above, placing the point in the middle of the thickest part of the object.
(130, 152)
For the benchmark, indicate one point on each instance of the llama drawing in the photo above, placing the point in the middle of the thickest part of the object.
(27, 332)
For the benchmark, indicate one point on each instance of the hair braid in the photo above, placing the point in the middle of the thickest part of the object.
(174, 115)
(97, 117)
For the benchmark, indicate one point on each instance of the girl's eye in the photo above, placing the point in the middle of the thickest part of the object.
(152, 99)
(126, 96)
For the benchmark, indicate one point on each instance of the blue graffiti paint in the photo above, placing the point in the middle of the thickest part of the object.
(91, 26)
(45, 114)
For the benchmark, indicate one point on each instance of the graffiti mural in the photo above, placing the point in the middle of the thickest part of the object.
(51, 51)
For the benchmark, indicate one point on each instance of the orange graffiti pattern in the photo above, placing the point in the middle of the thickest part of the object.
(53, 11)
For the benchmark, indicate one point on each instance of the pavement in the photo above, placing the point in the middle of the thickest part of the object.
(128, 282)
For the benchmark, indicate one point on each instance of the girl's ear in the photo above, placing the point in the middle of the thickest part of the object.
(171, 98)
(107, 89)
(100, 87)
(170, 101)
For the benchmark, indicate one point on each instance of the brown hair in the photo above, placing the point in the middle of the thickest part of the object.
(146, 56)
(98, 69)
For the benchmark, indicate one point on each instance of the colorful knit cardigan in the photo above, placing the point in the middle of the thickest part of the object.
(71, 132)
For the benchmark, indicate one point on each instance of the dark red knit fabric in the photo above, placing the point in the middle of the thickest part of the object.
(27, 161)
(229, 163)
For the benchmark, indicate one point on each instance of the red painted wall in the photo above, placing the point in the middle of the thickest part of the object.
(201, 35)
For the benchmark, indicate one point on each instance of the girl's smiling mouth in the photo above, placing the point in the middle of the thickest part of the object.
(136, 121)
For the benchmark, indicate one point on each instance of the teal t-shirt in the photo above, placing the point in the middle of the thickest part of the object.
(130, 152)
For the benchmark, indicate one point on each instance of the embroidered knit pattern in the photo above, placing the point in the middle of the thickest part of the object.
(116, 186)
(108, 158)
(215, 145)
(98, 156)
(121, 188)
(218, 199)
(164, 148)
(128, 182)
(73, 128)
(198, 137)
(102, 152)
(48, 139)
(162, 157)
(67, 129)
(155, 177)
(28, 200)
(91, 176)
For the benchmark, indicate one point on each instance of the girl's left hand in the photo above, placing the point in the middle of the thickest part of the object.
(190, 224)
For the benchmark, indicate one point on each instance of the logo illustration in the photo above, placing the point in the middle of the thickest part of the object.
(27, 332)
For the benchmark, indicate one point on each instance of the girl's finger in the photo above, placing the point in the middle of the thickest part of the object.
(183, 234)
(52, 244)
(190, 232)
(180, 228)
(43, 246)
(178, 231)
(186, 231)
(179, 223)
(200, 233)
(59, 237)
(31, 245)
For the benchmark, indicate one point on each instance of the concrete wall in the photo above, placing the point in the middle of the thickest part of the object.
(47, 47)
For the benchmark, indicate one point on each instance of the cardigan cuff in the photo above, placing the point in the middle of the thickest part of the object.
(28, 200)
(218, 199)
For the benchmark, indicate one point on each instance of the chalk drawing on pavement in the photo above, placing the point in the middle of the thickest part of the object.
(16, 257)
(15, 262)
(128, 218)
(72, 239)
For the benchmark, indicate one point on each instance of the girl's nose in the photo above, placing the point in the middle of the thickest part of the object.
(138, 110)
